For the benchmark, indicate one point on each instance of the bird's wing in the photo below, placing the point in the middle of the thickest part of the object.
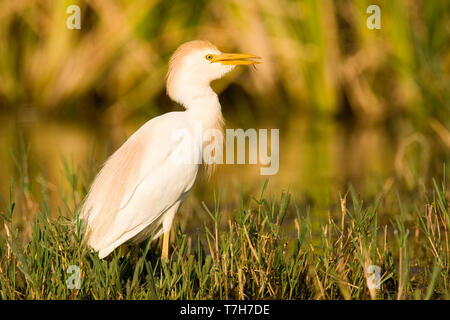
(138, 183)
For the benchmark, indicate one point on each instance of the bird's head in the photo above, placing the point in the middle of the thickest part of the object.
(195, 64)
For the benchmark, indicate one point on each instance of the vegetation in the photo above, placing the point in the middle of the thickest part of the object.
(247, 253)
(318, 56)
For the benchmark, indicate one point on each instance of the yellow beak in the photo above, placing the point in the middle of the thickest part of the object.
(236, 59)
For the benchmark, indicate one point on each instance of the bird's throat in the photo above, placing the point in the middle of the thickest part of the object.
(206, 110)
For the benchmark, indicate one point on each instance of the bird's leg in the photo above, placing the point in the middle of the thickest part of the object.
(166, 225)
(165, 250)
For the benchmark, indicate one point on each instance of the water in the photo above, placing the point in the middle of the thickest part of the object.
(318, 160)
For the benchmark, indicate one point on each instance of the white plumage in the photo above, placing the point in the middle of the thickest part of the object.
(140, 187)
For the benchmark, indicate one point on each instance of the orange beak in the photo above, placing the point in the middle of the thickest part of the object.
(236, 59)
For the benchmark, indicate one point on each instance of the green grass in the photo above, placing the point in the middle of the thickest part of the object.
(265, 248)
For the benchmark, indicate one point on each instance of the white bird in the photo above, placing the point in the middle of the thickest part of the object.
(140, 188)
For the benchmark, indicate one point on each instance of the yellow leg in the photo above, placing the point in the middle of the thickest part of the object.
(165, 250)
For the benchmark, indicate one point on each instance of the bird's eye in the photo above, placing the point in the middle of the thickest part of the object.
(209, 57)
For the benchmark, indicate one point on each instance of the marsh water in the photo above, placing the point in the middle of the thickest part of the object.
(318, 161)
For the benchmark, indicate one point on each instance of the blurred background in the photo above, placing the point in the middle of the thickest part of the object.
(354, 106)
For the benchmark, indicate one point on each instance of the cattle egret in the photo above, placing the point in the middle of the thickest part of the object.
(139, 189)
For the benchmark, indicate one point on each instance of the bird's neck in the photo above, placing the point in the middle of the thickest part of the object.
(206, 109)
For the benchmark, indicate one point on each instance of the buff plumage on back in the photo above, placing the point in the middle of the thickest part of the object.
(112, 184)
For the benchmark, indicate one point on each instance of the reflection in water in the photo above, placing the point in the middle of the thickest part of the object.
(318, 160)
